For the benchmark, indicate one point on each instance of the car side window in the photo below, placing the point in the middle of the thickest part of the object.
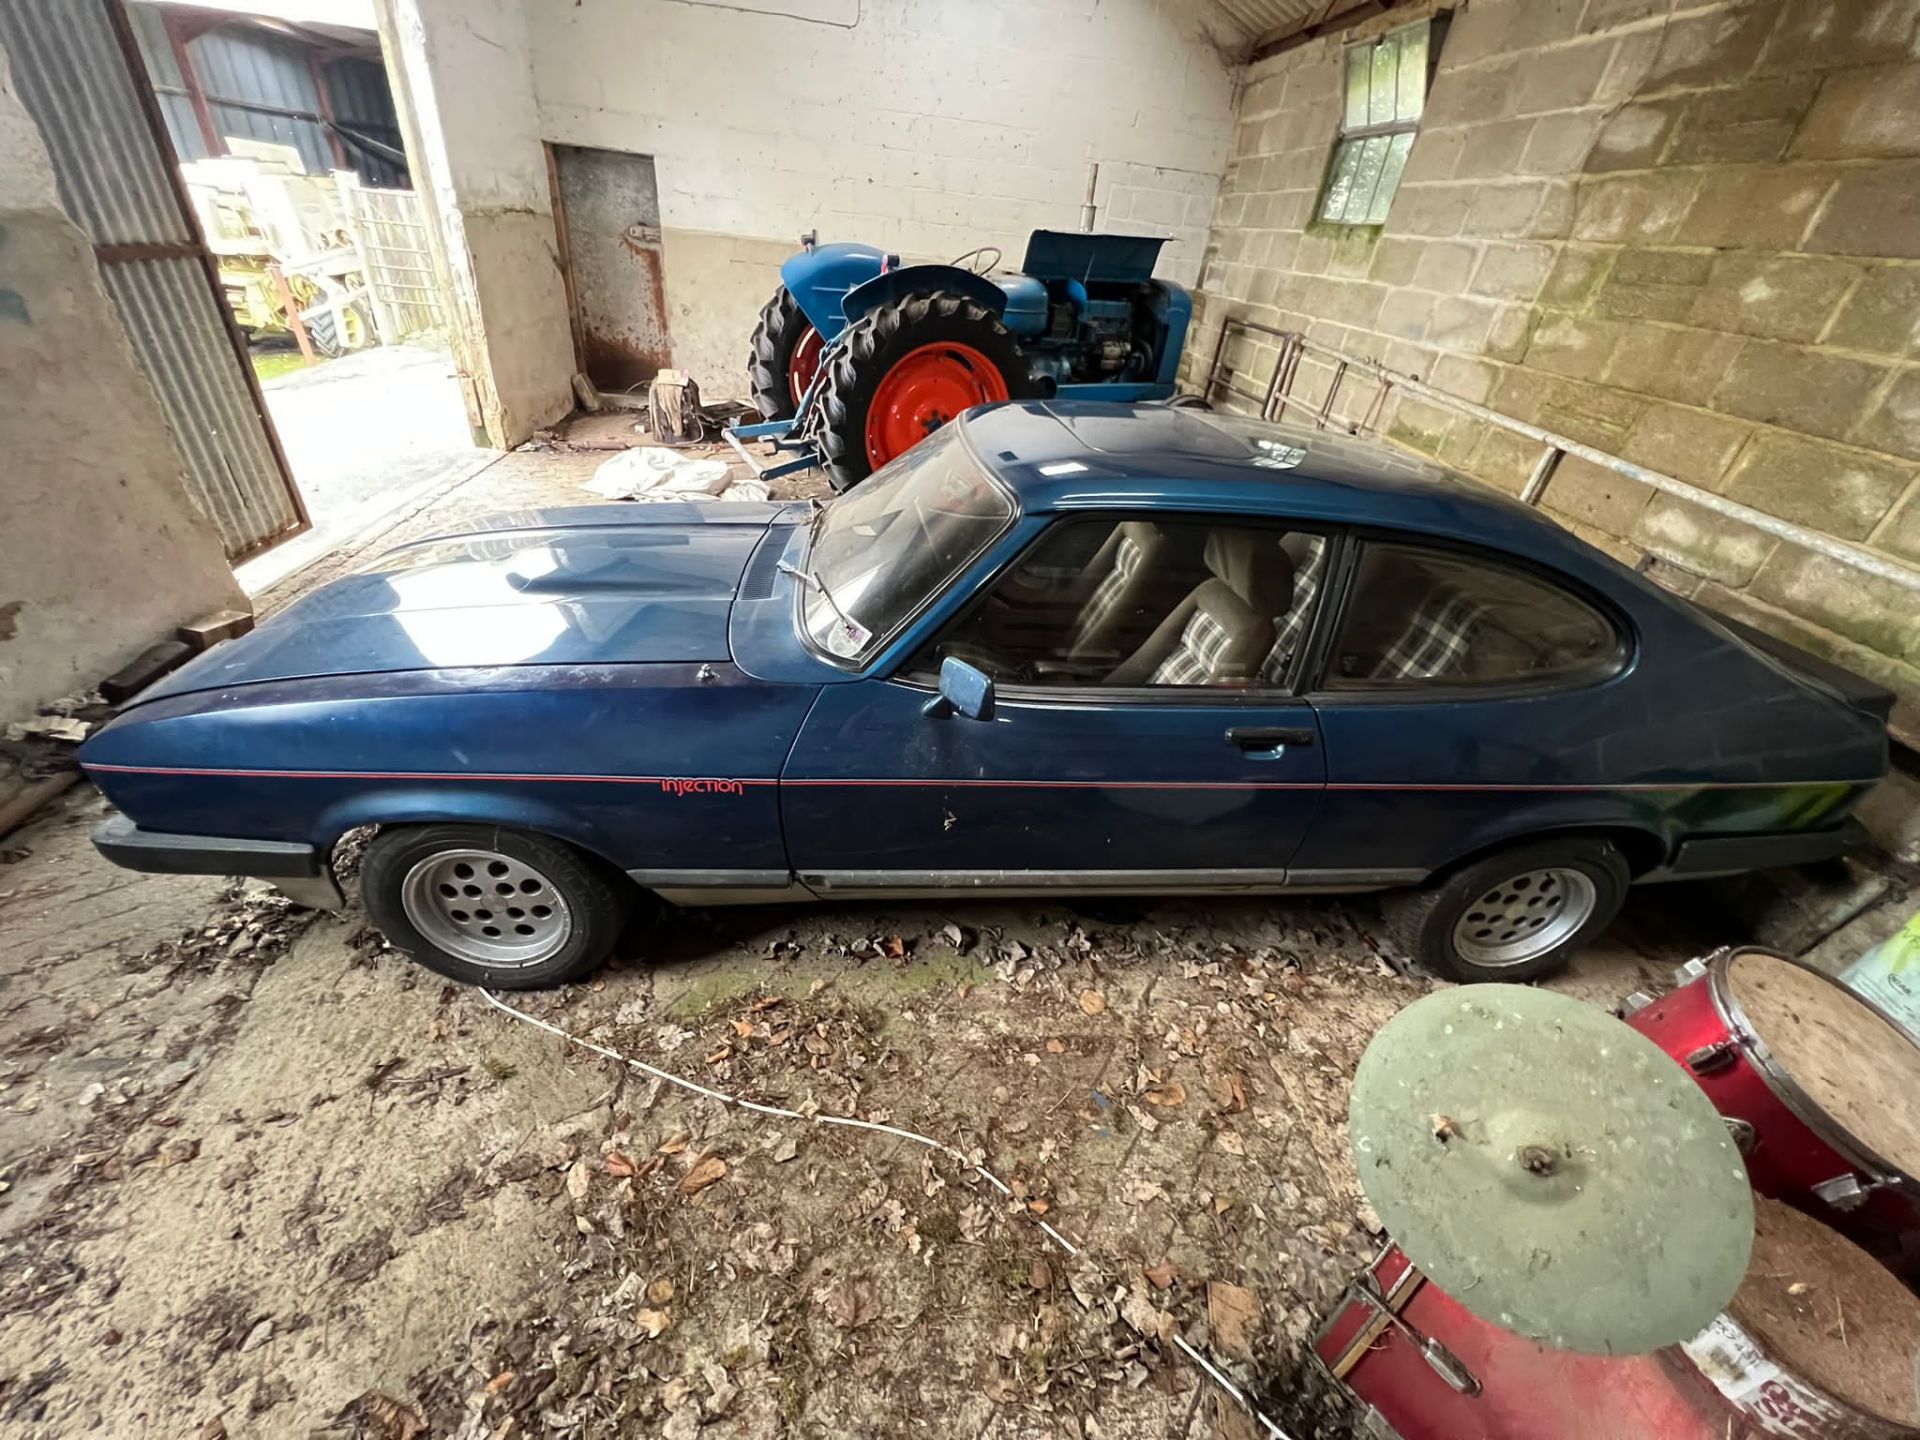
(1419, 617)
(1144, 604)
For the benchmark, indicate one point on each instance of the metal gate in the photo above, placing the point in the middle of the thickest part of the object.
(389, 229)
(607, 208)
(77, 72)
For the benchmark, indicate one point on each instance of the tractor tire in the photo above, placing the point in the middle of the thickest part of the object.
(326, 338)
(961, 356)
(783, 332)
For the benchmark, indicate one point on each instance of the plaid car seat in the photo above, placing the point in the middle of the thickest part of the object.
(1142, 576)
(1309, 556)
(1437, 637)
(1217, 635)
(1123, 555)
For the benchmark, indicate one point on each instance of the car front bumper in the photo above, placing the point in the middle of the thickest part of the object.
(300, 871)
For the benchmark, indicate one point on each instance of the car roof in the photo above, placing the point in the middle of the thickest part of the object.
(1075, 455)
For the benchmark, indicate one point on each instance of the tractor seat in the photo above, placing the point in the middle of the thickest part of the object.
(1221, 632)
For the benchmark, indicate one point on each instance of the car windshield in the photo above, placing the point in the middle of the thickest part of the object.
(895, 540)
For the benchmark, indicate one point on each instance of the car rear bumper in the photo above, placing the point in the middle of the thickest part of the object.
(1736, 854)
(302, 874)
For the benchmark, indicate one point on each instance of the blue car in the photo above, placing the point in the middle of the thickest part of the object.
(1056, 648)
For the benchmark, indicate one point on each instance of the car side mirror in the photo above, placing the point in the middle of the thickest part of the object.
(964, 690)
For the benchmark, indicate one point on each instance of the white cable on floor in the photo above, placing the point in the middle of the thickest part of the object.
(849, 1122)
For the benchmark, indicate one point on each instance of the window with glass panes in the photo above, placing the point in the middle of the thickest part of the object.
(1386, 91)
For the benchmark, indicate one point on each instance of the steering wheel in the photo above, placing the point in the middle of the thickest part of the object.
(975, 254)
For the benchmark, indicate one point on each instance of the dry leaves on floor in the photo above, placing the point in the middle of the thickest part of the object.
(1233, 1311)
(852, 1303)
(654, 1322)
(703, 1172)
(1146, 1317)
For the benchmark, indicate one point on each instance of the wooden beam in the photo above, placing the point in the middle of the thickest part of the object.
(1278, 42)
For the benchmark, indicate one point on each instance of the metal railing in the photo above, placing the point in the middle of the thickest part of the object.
(1278, 398)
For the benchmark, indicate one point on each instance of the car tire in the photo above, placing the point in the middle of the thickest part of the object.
(1512, 916)
(504, 909)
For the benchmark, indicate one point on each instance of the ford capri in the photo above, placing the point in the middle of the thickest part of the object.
(1053, 649)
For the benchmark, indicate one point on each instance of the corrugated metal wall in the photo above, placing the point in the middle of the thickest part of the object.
(363, 102)
(169, 85)
(248, 76)
(74, 79)
(240, 66)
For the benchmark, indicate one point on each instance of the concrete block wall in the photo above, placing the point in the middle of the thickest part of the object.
(924, 126)
(1685, 233)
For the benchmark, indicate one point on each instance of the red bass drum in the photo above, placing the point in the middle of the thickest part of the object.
(1435, 1371)
(1817, 1083)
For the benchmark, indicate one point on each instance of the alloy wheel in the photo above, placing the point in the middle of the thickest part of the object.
(1524, 917)
(486, 907)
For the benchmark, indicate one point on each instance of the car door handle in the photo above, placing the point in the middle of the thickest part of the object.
(1267, 737)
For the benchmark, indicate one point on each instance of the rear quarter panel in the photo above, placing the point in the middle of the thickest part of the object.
(1698, 736)
(647, 766)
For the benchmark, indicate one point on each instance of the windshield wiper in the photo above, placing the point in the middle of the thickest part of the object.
(813, 581)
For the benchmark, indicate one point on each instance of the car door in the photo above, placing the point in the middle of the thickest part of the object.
(1112, 757)
(1464, 699)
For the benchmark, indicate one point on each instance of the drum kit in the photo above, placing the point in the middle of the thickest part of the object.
(1694, 1220)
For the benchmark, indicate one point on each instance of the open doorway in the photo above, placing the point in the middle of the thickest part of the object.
(289, 151)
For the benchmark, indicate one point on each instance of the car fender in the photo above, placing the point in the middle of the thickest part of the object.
(923, 279)
(1647, 840)
(469, 805)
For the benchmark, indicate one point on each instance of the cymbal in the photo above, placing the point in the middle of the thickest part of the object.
(1551, 1169)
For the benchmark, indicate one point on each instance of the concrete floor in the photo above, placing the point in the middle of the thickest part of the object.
(364, 434)
(260, 1175)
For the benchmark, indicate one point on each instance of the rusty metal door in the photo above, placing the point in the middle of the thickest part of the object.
(607, 208)
(77, 71)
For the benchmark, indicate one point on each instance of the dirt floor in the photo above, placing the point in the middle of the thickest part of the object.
(260, 1175)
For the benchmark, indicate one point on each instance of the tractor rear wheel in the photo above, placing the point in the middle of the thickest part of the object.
(903, 370)
(786, 354)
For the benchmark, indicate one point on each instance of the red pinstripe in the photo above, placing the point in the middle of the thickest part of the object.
(955, 784)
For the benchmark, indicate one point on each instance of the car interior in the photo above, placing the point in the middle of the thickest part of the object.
(1424, 616)
(1145, 603)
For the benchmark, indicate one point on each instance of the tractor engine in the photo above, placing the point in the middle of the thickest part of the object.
(1087, 311)
(1095, 342)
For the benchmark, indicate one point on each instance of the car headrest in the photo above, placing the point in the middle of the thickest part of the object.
(1254, 567)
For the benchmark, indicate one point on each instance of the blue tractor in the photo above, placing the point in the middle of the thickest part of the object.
(857, 357)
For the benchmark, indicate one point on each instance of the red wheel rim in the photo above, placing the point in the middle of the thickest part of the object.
(924, 390)
(804, 364)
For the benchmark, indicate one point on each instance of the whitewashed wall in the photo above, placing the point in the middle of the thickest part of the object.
(925, 126)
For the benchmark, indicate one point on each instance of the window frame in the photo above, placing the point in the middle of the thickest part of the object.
(1250, 697)
(1345, 567)
(1345, 136)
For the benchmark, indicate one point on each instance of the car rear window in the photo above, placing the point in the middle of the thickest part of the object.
(1419, 617)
